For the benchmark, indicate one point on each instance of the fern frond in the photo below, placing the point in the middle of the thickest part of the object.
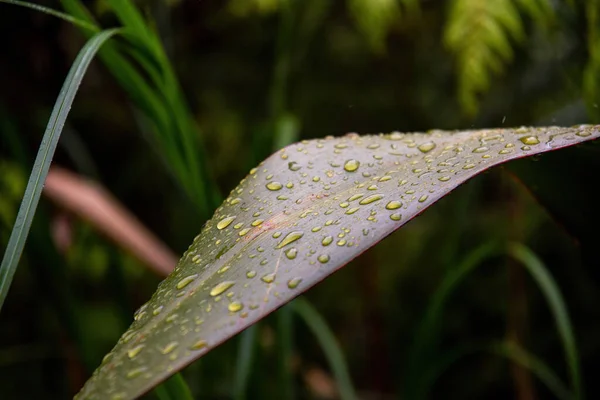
(479, 33)
(374, 18)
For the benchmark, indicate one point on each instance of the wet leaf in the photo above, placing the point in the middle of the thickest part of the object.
(300, 215)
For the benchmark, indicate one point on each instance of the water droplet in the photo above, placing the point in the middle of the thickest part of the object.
(294, 282)
(244, 231)
(169, 348)
(344, 204)
(257, 222)
(250, 274)
(316, 179)
(238, 225)
(372, 187)
(370, 199)
(355, 197)
(225, 222)
(352, 210)
(423, 198)
(199, 345)
(293, 166)
(157, 310)
(316, 229)
(186, 281)
(393, 205)
(351, 165)
(481, 149)
(235, 306)
(426, 147)
(469, 166)
(221, 287)
(291, 253)
(289, 185)
(385, 178)
(396, 217)
(529, 140)
(133, 373)
(323, 258)
(131, 353)
(290, 238)
(235, 201)
(269, 278)
(274, 186)
(444, 178)
(327, 240)
(253, 171)
(276, 235)
(341, 242)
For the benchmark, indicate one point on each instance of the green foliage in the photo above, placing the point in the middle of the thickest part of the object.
(591, 75)
(375, 18)
(480, 33)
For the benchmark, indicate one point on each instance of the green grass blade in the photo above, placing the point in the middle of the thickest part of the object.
(46, 10)
(174, 388)
(244, 362)
(41, 165)
(558, 308)
(330, 346)
(285, 343)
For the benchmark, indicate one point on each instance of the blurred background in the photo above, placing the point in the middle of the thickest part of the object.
(246, 77)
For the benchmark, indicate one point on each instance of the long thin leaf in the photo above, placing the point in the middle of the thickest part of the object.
(299, 216)
(43, 159)
(558, 308)
(244, 362)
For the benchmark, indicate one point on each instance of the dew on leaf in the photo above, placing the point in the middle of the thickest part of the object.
(294, 282)
(426, 147)
(131, 353)
(290, 238)
(186, 281)
(327, 240)
(269, 278)
(225, 222)
(221, 287)
(323, 258)
(396, 217)
(393, 205)
(273, 186)
(291, 253)
(529, 140)
(351, 165)
(235, 306)
(370, 199)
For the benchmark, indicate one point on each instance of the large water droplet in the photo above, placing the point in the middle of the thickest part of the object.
(274, 186)
(352, 210)
(396, 217)
(225, 222)
(351, 165)
(235, 306)
(370, 199)
(393, 205)
(529, 140)
(221, 287)
(131, 353)
(426, 147)
(290, 238)
(186, 281)
(327, 240)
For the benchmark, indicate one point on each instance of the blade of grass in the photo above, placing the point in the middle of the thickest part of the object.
(285, 342)
(44, 158)
(244, 362)
(329, 344)
(174, 388)
(46, 10)
(558, 308)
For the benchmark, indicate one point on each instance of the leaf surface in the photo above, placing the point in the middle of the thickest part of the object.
(300, 215)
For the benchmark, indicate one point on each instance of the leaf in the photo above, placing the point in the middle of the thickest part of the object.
(300, 215)
(43, 159)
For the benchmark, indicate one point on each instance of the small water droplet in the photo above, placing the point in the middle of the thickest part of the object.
(199, 345)
(352, 210)
(316, 229)
(481, 149)
(244, 231)
(293, 166)
(225, 222)
(186, 281)
(385, 178)
(276, 235)
(133, 373)
(221, 287)
(423, 198)
(351, 165)
(250, 274)
(396, 217)
(257, 222)
(469, 166)
(355, 197)
(157, 310)
(291, 253)
(235, 306)
(323, 258)
(273, 186)
(169, 348)
(372, 187)
(327, 240)
(294, 282)
(269, 278)
(444, 178)
(290, 238)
